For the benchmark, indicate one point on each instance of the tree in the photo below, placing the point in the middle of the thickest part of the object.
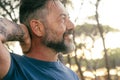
(9, 8)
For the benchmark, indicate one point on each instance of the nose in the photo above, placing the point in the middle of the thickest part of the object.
(70, 25)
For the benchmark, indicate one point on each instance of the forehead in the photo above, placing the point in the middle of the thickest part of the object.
(57, 7)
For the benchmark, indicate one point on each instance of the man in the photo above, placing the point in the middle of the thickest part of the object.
(50, 33)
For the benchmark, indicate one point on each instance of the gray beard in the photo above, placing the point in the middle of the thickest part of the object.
(58, 47)
(61, 47)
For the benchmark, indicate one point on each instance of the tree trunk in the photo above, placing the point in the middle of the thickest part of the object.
(101, 34)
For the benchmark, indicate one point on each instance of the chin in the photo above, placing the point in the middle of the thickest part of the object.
(70, 47)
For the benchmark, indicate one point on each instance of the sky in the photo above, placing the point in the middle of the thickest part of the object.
(109, 12)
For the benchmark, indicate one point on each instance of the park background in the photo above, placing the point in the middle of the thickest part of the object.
(96, 37)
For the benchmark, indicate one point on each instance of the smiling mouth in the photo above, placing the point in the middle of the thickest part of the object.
(68, 37)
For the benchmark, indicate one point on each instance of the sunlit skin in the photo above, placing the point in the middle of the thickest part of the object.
(57, 28)
(11, 33)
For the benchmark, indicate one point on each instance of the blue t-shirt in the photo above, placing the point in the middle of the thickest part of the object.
(25, 68)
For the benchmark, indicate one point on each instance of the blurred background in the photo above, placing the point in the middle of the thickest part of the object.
(96, 37)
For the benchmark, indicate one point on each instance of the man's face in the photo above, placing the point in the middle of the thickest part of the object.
(58, 28)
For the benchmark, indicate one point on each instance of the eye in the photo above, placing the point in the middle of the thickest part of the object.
(63, 19)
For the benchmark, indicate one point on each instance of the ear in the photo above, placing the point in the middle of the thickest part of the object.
(37, 27)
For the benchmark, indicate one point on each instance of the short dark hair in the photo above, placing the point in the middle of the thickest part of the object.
(29, 6)
(28, 10)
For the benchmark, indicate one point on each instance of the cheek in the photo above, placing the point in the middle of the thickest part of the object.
(59, 35)
(55, 35)
(61, 30)
(56, 32)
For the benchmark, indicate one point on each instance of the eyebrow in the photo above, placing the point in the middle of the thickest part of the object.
(64, 14)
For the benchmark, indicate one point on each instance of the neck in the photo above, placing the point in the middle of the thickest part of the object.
(41, 52)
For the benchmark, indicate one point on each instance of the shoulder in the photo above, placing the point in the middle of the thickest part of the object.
(15, 59)
(15, 55)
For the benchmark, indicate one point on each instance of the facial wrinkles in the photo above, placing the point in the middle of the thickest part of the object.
(50, 34)
(52, 4)
(64, 13)
(52, 39)
(51, 20)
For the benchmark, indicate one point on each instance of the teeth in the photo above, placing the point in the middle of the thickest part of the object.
(71, 36)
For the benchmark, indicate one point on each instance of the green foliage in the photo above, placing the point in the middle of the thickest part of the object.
(113, 60)
(91, 29)
(114, 57)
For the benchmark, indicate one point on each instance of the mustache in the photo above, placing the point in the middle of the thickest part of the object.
(69, 32)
